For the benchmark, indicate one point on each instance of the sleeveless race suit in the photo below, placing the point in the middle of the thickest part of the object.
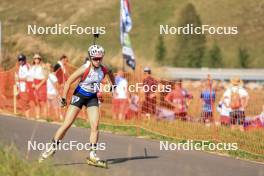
(85, 93)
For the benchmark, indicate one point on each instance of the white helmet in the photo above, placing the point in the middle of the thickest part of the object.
(96, 51)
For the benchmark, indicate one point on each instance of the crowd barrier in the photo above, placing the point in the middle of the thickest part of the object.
(161, 122)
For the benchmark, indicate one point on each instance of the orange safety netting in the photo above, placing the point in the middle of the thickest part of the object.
(163, 120)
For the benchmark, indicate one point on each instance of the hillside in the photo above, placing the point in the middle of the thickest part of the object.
(147, 16)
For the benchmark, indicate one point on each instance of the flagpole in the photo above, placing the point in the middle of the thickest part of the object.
(123, 66)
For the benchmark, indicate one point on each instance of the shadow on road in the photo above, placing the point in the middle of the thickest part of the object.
(121, 160)
(112, 160)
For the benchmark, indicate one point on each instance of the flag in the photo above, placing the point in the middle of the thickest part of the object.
(125, 28)
(126, 20)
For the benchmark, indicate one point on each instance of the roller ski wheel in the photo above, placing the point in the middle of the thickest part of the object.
(97, 163)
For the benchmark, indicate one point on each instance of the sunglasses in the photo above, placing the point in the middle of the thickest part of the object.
(97, 59)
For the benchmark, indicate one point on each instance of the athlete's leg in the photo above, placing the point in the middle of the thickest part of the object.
(71, 114)
(93, 114)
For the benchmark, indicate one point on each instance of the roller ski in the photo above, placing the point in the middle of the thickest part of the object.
(93, 160)
(47, 153)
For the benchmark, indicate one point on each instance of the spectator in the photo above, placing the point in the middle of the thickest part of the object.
(52, 93)
(21, 78)
(40, 85)
(179, 98)
(61, 72)
(149, 102)
(208, 96)
(2, 88)
(261, 116)
(236, 98)
(255, 122)
(120, 98)
(133, 108)
(224, 113)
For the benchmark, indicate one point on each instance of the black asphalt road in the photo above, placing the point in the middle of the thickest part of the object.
(126, 155)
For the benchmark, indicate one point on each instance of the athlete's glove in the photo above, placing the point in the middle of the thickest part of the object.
(63, 102)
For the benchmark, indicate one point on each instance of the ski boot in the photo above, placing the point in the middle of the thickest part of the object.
(48, 153)
(94, 160)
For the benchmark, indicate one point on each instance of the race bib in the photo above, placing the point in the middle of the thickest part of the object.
(75, 99)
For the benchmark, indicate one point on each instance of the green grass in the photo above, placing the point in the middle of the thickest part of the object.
(147, 16)
(13, 164)
(132, 130)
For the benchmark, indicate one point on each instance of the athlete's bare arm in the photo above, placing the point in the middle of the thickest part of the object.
(77, 74)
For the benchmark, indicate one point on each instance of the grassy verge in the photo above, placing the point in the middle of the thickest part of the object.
(132, 130)
(13, 164)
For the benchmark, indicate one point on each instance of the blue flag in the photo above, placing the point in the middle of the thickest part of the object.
(125, 28)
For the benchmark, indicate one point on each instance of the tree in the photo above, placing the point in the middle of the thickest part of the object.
(215, 57)
(243, 56)
(190, 47)
(160, 50)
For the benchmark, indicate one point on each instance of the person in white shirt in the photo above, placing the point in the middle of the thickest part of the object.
(120, 99)
(53, 94)
(40, 76)
(224, 112)
(30, 83)
(21, 81)
(236, 98)
(85, 95)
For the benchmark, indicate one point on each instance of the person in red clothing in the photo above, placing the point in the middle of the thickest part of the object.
(61, 72)
(40, 74)
(179, 98)
(149, 103)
